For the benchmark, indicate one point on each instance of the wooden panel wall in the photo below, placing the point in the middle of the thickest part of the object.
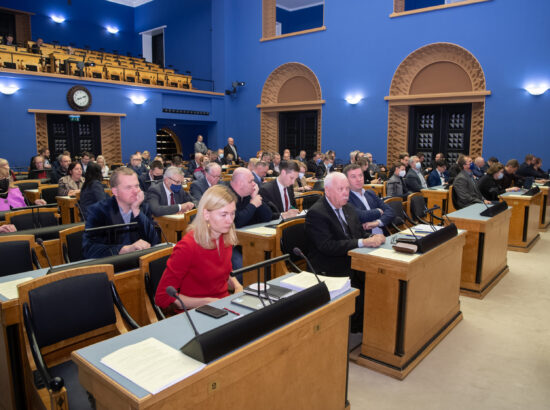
(41, 131)
(110, 139)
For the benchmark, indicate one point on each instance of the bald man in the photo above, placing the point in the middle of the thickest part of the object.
(250, 207)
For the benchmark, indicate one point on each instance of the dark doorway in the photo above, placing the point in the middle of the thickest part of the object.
(157, 43)
(440, 128)
(7, 25)
(298, 131)
(74, 133)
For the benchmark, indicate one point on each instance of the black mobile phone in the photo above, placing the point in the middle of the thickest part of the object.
(211, 311)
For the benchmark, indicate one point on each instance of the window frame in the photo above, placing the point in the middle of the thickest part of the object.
(399, 7)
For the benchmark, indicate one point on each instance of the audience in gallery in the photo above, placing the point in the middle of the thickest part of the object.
(231, 148)
(93, 190)
(71, 183)
(200, 265)
(168, 197)
(200, 146)
(125, 206)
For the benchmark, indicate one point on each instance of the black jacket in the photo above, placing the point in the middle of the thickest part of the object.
(270, 193)
(158, 201)
(92, 193)
(248, 214)
(489, 188)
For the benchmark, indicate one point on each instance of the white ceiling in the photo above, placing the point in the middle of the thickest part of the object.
(130, 3)
(293, 5)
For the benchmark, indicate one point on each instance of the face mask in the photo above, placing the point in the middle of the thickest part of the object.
(157, 177)
(418, 165)
(329, 164)
(4, 185)
(301, 175)
(220, 155)
(500, 176)
(175, 188)
(318, 161)
(402, 173)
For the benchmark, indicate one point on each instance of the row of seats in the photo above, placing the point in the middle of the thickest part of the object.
(91, 64)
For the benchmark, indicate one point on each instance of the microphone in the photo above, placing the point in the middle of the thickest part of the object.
(298, 252)
(171, 291)
(40, 242)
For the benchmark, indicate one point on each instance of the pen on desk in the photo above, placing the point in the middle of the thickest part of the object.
(232, 311)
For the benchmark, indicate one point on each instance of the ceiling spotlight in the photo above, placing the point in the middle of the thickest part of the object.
(57, 18)
(112, 29)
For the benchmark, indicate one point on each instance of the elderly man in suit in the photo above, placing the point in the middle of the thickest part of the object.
(213, 173)
(200, 146)
(169, 197)
(465, 188)
(415, 180)
(231, 148)
(373, 213)
(125, 206)
(279, 193)
(332, 230)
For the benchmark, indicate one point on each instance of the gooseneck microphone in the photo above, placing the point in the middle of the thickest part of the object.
(171, 291)
(156, 224)
(298, 252)
(40, 242)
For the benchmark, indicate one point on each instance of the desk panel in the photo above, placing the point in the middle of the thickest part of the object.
(524, 224)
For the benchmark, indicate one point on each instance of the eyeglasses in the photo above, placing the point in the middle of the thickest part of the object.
(176, 181)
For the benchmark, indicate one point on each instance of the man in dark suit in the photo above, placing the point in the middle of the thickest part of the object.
(313, 163)
(212, 177)
(274, 165)
(301, 156)
(480, 168)
(279, 193)
(527, 169)
(439, 175)
(136, 165)
(169, 197)
(332, 230)
(326, 167)
(259, 171)
(154, 174)
(231, 148)
(194, 163)
(125, 206)
(373, 213)
(465, 188)
(415, 180)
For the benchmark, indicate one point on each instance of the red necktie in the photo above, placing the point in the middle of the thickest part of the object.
(286, 200)
(172, 202)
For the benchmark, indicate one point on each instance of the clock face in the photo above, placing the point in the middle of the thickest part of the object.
(79, 98)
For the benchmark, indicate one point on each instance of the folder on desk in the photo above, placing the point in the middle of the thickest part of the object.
(304, 280)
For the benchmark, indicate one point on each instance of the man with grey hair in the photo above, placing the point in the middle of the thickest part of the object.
(169, 197)
(213, 173)
(194, 163)
(60, 171)
(415, 180)
(332, 230)
(200, 146)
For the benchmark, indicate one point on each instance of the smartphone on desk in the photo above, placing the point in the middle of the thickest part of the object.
(211, 311)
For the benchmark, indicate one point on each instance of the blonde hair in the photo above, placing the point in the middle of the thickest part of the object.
(4, 173)
(215, 197)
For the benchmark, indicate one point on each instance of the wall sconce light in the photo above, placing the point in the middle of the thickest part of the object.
(8, 89)
(112, 29)
(354, 99)
(138, 99)
(57, 18)
(235, 85)
(537, 89)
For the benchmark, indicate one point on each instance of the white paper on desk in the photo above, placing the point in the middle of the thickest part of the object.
(426, 228)
(262, 230)
(303, 280)
(391, 254)
(152, 365)
(9, 289)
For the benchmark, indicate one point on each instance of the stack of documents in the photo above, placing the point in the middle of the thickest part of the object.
(159, 365)
(303, 280)
(9, 289)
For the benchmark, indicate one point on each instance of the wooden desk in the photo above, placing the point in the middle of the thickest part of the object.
(437, 196)
(525, 220)
(285, 369)
(32, 194)
(174, 226)
(484, 260)
(256, 247)
(544, 221)
(67, 207)
(409, 306)
(378, 188)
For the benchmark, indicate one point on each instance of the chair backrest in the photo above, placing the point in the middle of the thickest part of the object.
(70, 240)
(152, 267)
(29, 219)
(417, 206)
(49, 194)
(310, 198)
(396, 204)
(290, 235)
(16, 254)
(26, 185)
(319, 185)
(452, 206)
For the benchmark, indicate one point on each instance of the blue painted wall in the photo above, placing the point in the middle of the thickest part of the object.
(303, 19)
(360, 51)
(84, 25)
(187, 37)
(418, 4)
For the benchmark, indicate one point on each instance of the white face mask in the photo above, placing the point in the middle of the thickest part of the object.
(301, 175)
(402, 173)
(418, 165)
